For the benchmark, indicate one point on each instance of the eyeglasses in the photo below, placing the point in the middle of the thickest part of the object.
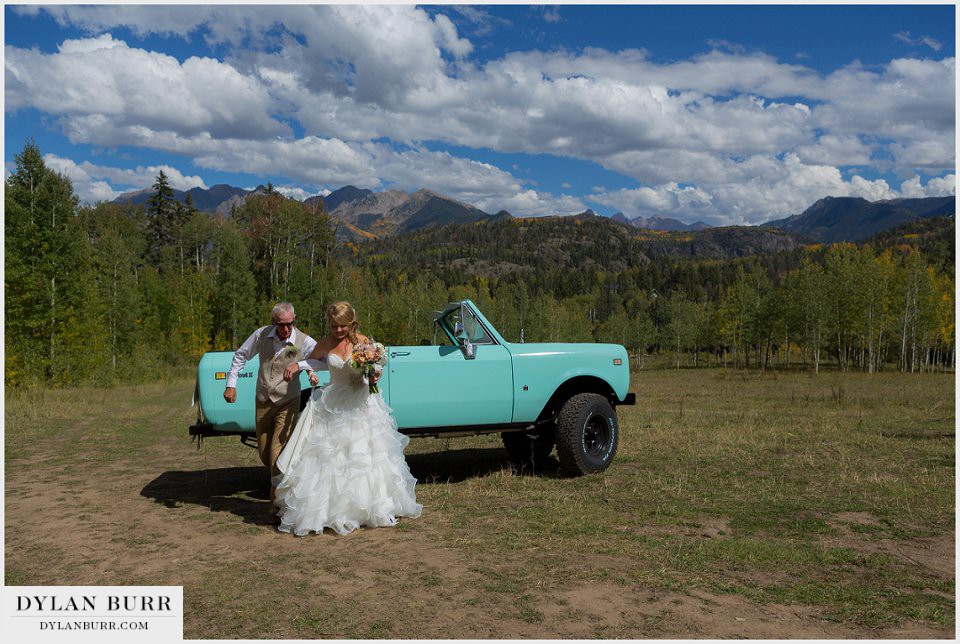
(284, 324)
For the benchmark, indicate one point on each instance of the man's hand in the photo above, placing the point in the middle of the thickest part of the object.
(230, 394)
(291, 371)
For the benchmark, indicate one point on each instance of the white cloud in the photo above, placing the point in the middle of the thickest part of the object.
(94, 183)
(552, 14)
(929, 41)
(932, 155)
(870, 190)
(104, 77)
(733, 134)
(664, 200)
(910, 103)
(942, 186)
(85, 46)
(480, 21)
(85, 185)
(530, 203)
(936, 187)
(447, 31)
(772, 189)
(836, 150)
(318, 162)
(294, 192)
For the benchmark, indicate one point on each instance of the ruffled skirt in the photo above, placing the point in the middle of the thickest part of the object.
(343, 466)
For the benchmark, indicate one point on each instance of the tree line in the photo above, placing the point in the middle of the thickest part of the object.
(120, 292)
(882, 304)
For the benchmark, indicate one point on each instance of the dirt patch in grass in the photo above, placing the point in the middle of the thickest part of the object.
(700, 528)
(610, 610)
(858, 531)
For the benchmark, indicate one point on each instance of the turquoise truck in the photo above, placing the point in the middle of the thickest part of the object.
(470, 381)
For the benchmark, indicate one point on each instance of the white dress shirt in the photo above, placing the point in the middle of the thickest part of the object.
(246, 351)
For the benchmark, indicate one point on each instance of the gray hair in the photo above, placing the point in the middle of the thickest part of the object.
(281, 307)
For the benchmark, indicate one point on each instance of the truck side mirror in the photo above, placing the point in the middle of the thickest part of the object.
(467, 347)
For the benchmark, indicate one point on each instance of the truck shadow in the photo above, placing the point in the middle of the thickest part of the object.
(245, 491)
(456, 465)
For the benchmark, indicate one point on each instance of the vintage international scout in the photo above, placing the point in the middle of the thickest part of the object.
(470, 381)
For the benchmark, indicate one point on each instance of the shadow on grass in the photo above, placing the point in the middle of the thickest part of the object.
(457, 465)
(245, 491)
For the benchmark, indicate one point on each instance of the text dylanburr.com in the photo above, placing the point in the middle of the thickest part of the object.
(94, 614)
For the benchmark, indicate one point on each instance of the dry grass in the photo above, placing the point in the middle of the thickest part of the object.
(832, 495)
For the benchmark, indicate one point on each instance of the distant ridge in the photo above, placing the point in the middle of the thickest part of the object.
(343, 195)
(386, 213)
(203, 199)
(208, 200)
(658, 223)
(836, 219)
(225, 208)
(495, 248)
(366, 214)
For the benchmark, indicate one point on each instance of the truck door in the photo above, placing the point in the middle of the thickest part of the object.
(443, 386)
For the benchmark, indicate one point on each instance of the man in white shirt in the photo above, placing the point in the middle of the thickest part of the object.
(278, 400)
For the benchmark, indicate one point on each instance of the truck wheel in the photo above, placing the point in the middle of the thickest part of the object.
(587, 434)
(530, 449)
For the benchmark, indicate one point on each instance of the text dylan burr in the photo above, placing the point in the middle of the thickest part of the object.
(85, 603)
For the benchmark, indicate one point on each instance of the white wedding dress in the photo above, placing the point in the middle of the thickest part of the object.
(343, 466)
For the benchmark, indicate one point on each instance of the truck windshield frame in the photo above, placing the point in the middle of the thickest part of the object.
(452, 314)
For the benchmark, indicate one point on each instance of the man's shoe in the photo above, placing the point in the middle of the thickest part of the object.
(273, 519)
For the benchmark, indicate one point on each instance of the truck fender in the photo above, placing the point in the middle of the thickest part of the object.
(572, 387)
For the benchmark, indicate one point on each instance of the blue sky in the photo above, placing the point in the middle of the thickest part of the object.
(722, 114)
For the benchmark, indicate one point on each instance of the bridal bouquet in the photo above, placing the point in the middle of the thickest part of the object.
(369, 358)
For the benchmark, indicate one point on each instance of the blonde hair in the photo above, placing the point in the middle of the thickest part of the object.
(343, 314)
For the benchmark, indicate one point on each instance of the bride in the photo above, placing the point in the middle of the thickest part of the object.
(343, 466)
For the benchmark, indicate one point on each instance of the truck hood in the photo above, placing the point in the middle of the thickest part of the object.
(583, 349)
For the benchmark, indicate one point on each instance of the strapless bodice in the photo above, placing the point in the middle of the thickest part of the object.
(342, 373)
(347, 389)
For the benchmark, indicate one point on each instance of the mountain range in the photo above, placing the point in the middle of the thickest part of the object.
(366, 214)
(359, 213)
(837, 219)
(205, 199)
(658, 223)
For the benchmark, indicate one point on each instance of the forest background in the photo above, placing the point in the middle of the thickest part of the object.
(108, 293)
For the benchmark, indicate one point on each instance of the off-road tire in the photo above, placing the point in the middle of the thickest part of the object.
(587, 434)
(530, 449)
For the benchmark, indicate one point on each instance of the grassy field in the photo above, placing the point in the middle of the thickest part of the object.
(740, 504)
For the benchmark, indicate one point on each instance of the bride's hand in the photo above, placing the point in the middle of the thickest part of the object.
(314, 378)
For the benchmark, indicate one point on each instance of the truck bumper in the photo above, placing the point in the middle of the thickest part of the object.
(631, 399)
(206, 430)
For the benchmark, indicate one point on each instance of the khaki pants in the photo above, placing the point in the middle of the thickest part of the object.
(275, 423)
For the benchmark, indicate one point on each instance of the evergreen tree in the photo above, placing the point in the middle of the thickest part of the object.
(41, 250)
(163, 212)
(233, 301)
